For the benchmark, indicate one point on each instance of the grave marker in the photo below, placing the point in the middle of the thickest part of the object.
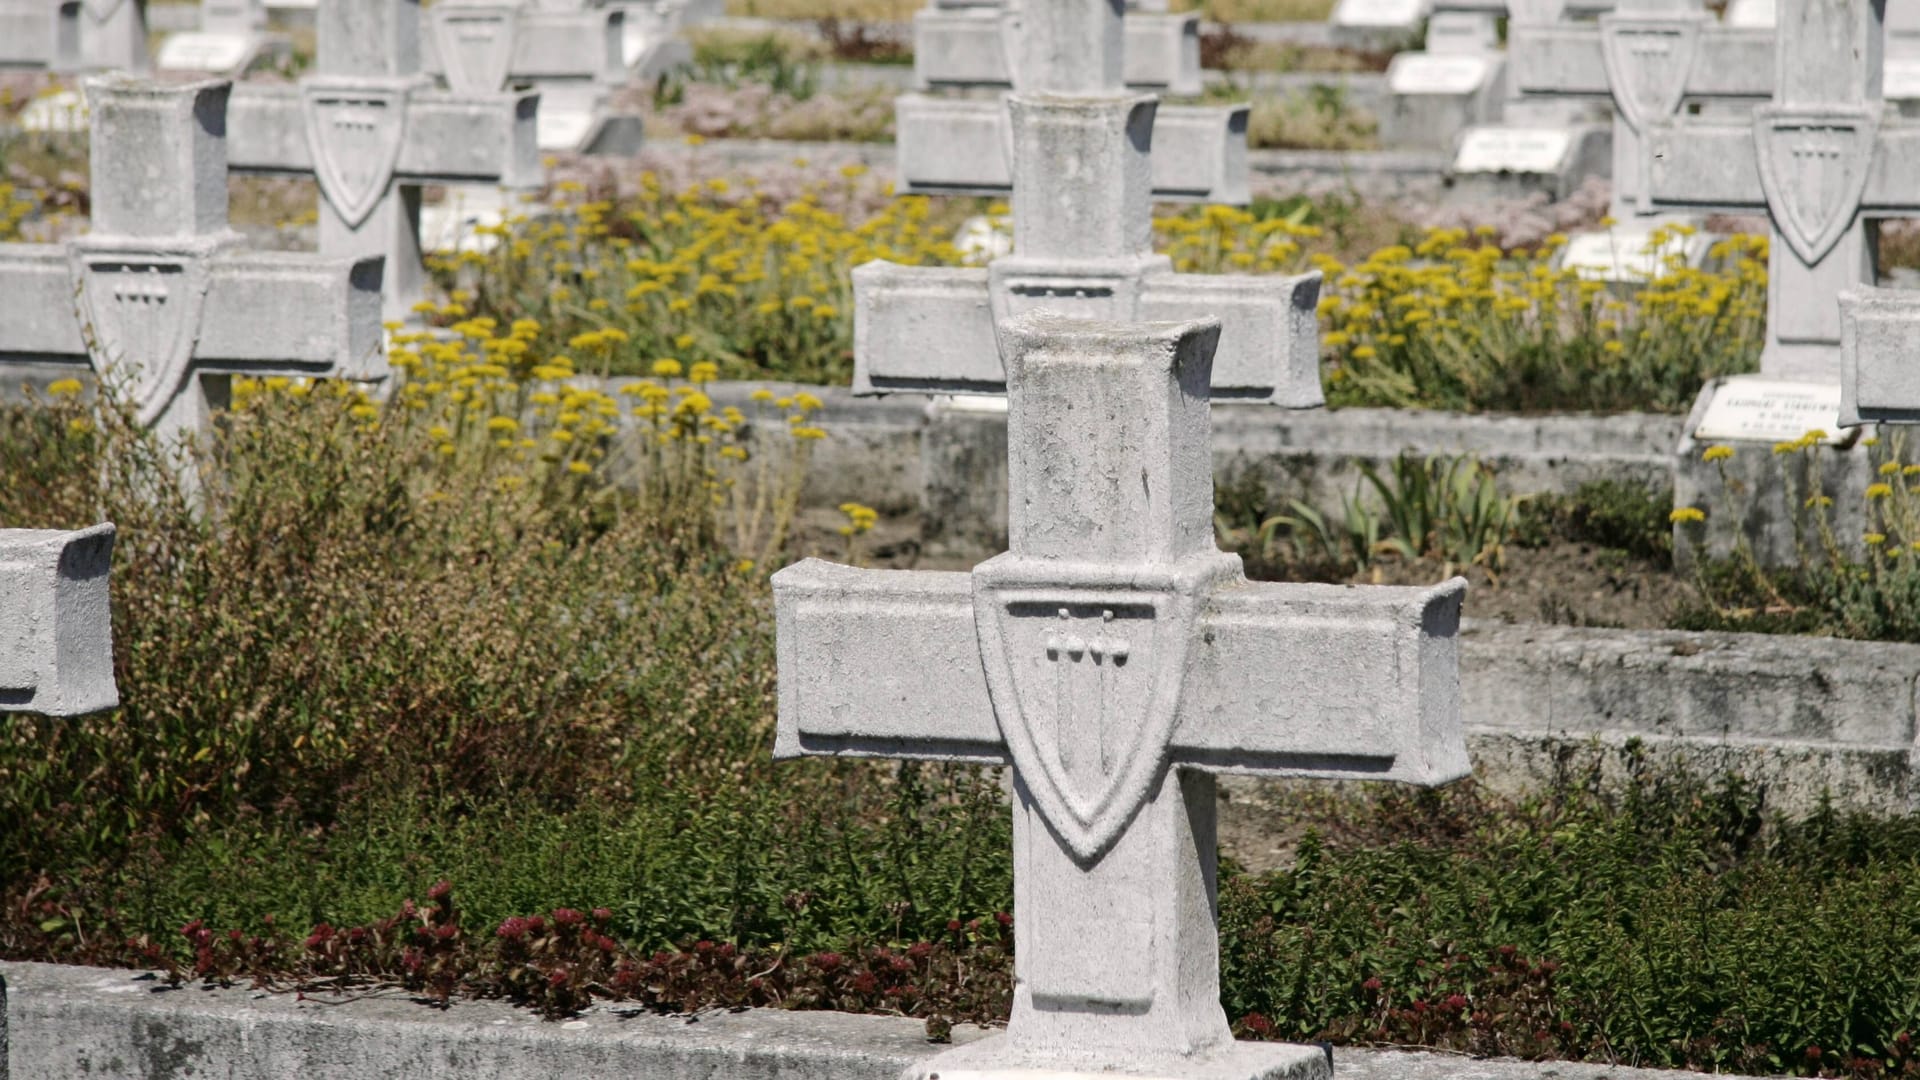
(112, 34)
(1117, 660)
(56, 632)
(232, 36)
(1648, 57)
(1818, 159)
(1823, 155)
(572, 56)
(1086, 163)
(972, 45)
(159, 297)
(372, 130)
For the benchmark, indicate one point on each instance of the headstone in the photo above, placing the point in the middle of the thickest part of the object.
(159, 298)
(948, 145)
(1647, 59)
(232, 37)
(573, 57)
(979, 45)
(1818, 159)
(34, 37)
(1117, 660)
(1454, 84)
(372, 131)
(56, 632)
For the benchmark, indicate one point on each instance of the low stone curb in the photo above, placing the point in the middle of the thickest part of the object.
(63, 1022)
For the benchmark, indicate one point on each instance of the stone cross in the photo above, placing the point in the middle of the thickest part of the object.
(73, 35)
(1084, 156)
(962, 44)
(1818, 159)
(159, 298)
(369, 127)
(954, 146)
(56, 633)
(480, 46)
(574, 57)
(1117, 660)
(1649, 57)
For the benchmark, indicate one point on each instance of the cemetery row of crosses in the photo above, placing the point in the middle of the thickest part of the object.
(1113, 659)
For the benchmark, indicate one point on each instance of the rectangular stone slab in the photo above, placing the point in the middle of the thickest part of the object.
(1284, 680)
(1879, 356)
(449, 139)
(316, 304)
(56, 632)
(930, 329)
(948, 146)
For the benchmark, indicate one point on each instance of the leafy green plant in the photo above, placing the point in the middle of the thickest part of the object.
(1449, 508)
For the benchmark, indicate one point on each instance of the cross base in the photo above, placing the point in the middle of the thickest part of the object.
(996, 1058)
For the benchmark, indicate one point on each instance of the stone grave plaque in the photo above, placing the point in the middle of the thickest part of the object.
(563, 129)
(1624, 255)
(197, 50)
(1755, 409)
(1900, 77)
(1436, 73)
(1755, 14)
(1512, 150)
(61, 113)
(1378, 13)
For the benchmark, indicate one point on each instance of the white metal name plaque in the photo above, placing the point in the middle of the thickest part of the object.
(1748, 409)
(1436, 73)
(1512, 149)
(1378, 13)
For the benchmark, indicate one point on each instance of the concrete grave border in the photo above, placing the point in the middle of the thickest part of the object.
(66, 1021)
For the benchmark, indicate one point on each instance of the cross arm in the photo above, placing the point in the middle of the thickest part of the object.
(1290, 680)
(1703, 166)
(56, 633)
(450, 138)
(584, 46)
(326, 318)
(1560, 58)
(1896, 161)
(930, 330)
(948, 146)
(968, 48)
(36, 279)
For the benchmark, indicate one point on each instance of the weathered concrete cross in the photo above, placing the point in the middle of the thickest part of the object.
(1084, 155)
(169, 305)
(966, 44)
(1649, 57)
(951, 146)
(56, 633)
(1117, 660)
(573, 56)
(73, 35)
(370, 128)
(1819, 159)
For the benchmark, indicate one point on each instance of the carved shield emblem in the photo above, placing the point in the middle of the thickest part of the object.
(476, 44)
(1813, 169)
(1086, 686)
(142, 319)
(354, 133)
(1648, 64)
